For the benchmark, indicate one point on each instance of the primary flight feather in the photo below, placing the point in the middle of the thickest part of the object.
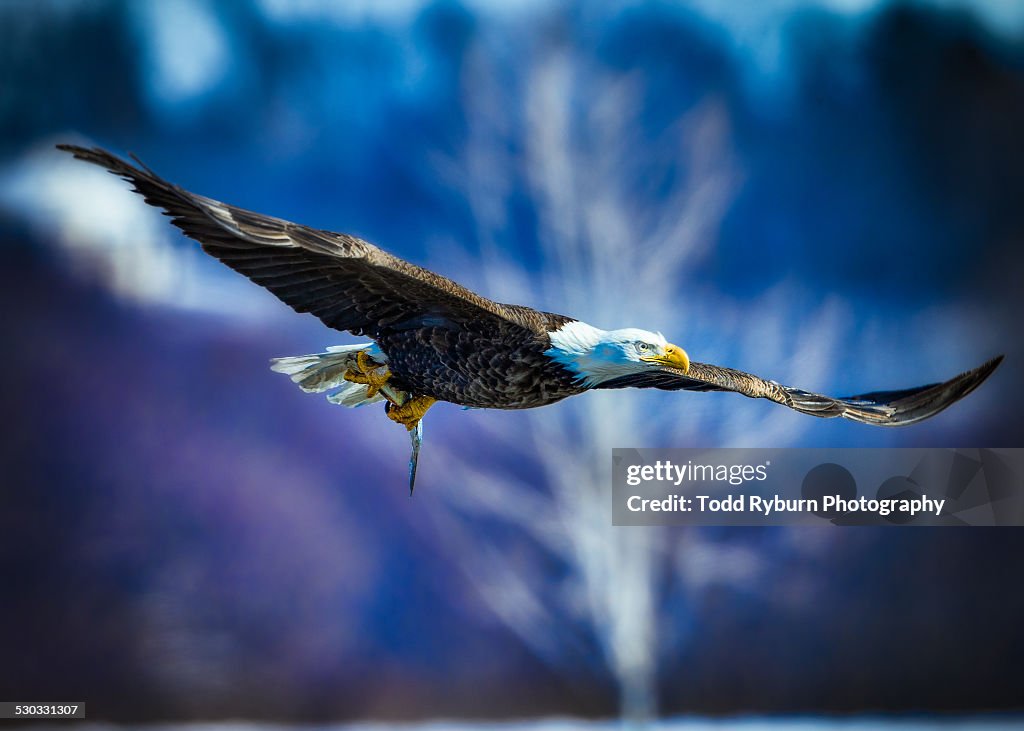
(434, 340)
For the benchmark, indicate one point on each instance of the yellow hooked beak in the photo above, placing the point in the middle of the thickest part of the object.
(674, 356)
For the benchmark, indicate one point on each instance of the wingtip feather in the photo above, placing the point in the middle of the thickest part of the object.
(916, 404)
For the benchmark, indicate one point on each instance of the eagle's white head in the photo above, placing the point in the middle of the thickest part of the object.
(596, 355)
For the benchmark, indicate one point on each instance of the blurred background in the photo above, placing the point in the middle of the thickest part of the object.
(824, 192)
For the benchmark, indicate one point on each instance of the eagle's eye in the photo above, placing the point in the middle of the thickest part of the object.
(643, 347)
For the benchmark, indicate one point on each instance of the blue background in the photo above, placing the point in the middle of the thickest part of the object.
(826, 194)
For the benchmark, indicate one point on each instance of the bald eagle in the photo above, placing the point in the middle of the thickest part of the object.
(434, 340)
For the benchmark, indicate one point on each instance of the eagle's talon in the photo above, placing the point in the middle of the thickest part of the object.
(365, 363)
(370, 372)
(410, 413)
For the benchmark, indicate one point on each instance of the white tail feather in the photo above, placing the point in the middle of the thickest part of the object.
(321, 372)
(352, 394)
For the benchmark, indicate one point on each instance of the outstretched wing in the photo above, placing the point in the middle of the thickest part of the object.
(346, 282)
(883, 408)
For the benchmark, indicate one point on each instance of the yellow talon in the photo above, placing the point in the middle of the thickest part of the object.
(410, 413)
(368, 373)
(366, 363)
